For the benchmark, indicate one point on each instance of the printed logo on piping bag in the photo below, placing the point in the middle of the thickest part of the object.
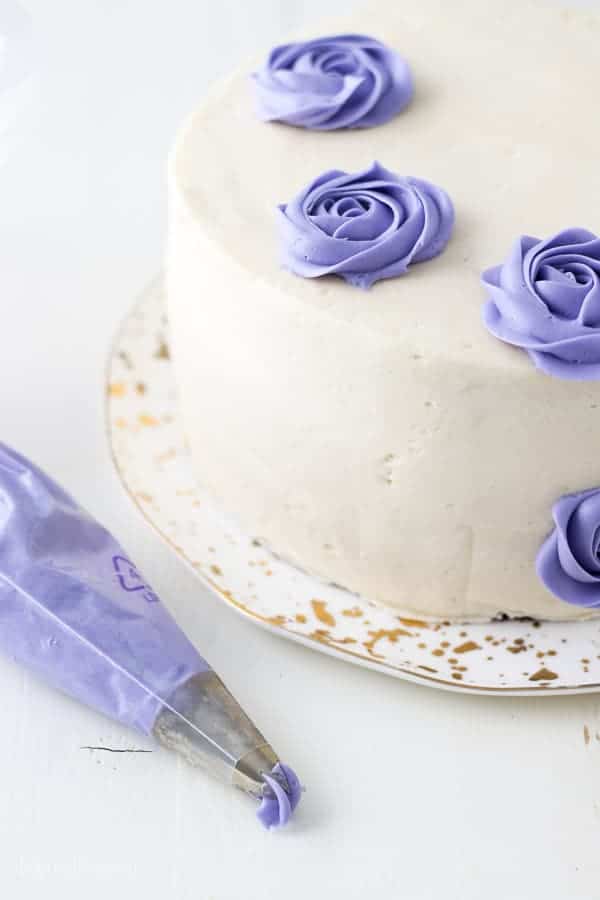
(131, 580)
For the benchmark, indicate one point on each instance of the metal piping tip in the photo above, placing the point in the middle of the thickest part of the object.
(205, 724)
(250, 769)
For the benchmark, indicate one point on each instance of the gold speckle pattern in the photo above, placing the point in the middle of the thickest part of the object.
(543, 674)
(353, 613)
(390, 634)
(413, 623)
(162, 351)
(151, 456)
(468, 646)
(321, 612)
(148, 420)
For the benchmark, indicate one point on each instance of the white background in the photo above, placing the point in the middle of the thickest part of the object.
(411, 793)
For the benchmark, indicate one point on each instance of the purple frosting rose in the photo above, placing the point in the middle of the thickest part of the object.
(546, 299)
(364, 227)
(569, 559)
(343, 81)
(282, 795)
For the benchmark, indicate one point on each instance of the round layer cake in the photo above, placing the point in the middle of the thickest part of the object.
(383, 439)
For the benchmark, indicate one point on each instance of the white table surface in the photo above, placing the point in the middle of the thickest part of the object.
(411, 792)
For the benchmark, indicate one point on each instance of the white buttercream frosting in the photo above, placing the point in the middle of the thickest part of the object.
(384, 439)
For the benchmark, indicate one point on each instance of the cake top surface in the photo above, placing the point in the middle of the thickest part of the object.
(504, 124)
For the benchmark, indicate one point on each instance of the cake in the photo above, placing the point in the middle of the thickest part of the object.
(385, 439)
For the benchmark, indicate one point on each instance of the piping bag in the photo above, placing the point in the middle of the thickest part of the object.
(75, 610)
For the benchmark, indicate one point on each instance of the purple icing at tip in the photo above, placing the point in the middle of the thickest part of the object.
(281, 797)
(75, 609)
(363, 227)
(341, 81)
(546, 299)
(568, 561)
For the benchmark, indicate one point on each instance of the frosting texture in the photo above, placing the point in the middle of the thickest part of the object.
(546, 299)
(569, 559)
(363, 227)
(342, 81)
(281, 797)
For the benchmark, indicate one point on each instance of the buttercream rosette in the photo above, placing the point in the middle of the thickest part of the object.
(569, 559)
(340, 81)
(546, 299)
(363, 227)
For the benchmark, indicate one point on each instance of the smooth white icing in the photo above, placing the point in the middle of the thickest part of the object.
(384, 439)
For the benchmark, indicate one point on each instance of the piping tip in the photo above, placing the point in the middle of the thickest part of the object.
(261, 774)
(204, 723)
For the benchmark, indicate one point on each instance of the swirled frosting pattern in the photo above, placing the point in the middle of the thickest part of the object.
(281, 797)
(342, 81)
(569, 559)
(546, 299)
(364, 227)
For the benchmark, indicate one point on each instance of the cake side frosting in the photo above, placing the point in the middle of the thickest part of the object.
(385, 440)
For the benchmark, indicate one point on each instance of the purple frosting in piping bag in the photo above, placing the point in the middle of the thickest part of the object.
(342, 81)
(546, 299)
(64, 577)
(365, 226)
(569, 559)
(76, 611)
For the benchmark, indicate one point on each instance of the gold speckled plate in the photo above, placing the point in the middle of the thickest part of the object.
(152, 459)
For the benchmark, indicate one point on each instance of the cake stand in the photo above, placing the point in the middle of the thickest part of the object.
(151, 457)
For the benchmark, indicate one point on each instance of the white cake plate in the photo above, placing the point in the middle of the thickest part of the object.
(149, 450)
